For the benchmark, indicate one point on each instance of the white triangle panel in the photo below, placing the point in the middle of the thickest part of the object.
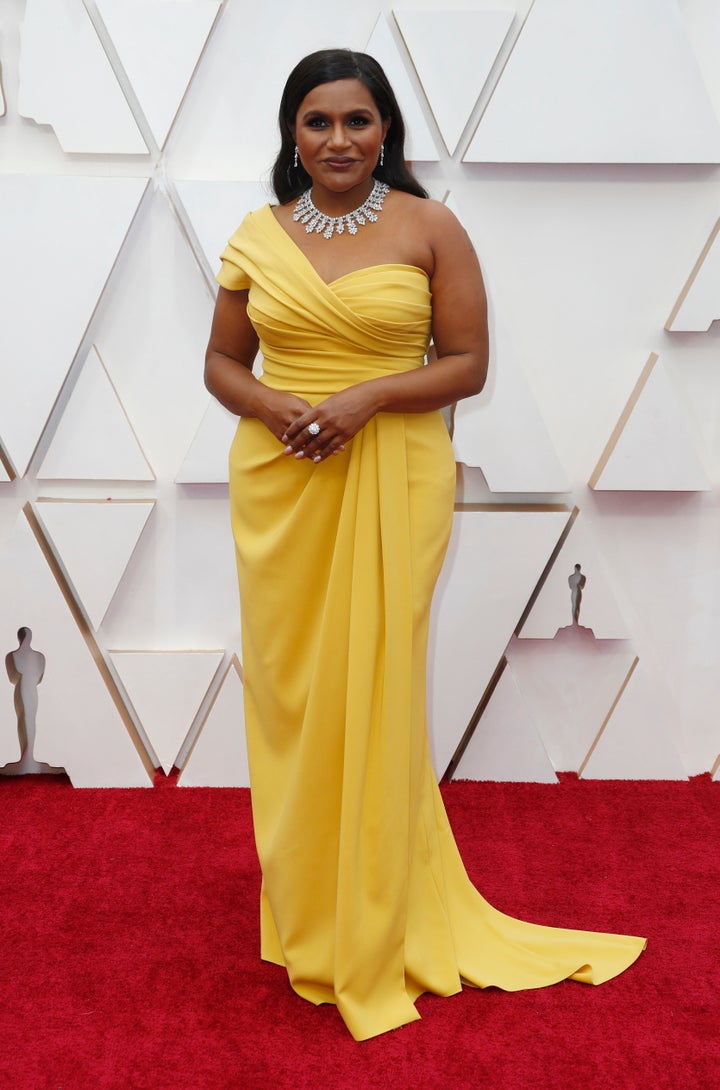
(94, 439)
(159, 43)
(219, 756)
(76, 226)
(166, 689)
(654, 445)
(569, 685)
(453, 53)
(79, 727)
(637, 743)
(79, 528)
(698, 304)
(494, 561)
(501, 430)
(505, 745)
(420, 145)
(206, 461)
(216, 210)
(66, 81)
(552, 609)
(4, 475)
(603, 81)
(153, 336)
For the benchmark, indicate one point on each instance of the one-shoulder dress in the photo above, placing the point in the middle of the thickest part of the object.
(365, 899)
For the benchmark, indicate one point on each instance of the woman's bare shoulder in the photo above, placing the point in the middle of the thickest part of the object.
(430, 216)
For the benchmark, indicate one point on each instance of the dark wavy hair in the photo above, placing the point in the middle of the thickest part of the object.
(326, 66)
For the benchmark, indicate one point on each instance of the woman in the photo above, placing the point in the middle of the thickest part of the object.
(342, 487)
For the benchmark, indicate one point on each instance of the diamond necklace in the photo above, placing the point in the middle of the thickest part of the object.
(315, 220)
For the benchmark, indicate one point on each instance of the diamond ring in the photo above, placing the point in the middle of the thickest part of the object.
(314, 428)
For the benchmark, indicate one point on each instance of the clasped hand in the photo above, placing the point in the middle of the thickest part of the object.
(339, 417)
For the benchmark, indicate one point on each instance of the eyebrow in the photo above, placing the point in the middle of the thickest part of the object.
(348, 113)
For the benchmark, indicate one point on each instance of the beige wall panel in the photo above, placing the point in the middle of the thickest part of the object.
(505, 744)
(620, 84)
(702, 22)
(94, 440)
(180, 586)
(76, 529)
(663, 553)
(637, 742)
(66, 81)
(654, 446)
(501, 430)
(453, 53)
(206, 462)
(494, 560)
(219, 755)
(79, 727)
(159, 43)
(698, 304)
(59, 238)
(581, 263)
(569, 685)
(166, 689)
(151, 333)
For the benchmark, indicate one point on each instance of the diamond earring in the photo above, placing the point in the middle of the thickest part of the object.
(295, 162)
(382, 154)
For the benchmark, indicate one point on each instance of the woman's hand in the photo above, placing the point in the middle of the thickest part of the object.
(339, 417)
(278, 411)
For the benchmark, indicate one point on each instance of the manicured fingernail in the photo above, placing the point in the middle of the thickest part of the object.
(283, 438)
(288, 449)
(317, 458)
(300, 454)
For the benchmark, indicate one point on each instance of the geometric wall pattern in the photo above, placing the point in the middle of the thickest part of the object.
(66, 80)
(218, 757)
(54, 231)
(134, 137)
(453, 53)
(501, 429)
(158, 44)
(166, 689)
(698, 304)
(74, 528)
(94, 438)
(600, 82)
(653, 445)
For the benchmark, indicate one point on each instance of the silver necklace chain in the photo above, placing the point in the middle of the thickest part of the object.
(315, 220)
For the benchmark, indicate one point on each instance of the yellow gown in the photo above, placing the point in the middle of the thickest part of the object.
(365, 899)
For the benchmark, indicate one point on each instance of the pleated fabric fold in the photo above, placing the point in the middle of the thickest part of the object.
(365, 899)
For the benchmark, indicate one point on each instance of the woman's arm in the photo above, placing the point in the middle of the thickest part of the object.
(229, 359)
(460, 335)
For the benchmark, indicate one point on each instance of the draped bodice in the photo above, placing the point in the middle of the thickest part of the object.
(317, 337)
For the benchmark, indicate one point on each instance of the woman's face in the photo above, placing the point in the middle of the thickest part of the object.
(339, 133)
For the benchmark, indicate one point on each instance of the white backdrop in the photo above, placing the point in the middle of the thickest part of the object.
(579, 142)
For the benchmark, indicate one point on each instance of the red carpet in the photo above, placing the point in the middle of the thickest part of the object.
(130, 938)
